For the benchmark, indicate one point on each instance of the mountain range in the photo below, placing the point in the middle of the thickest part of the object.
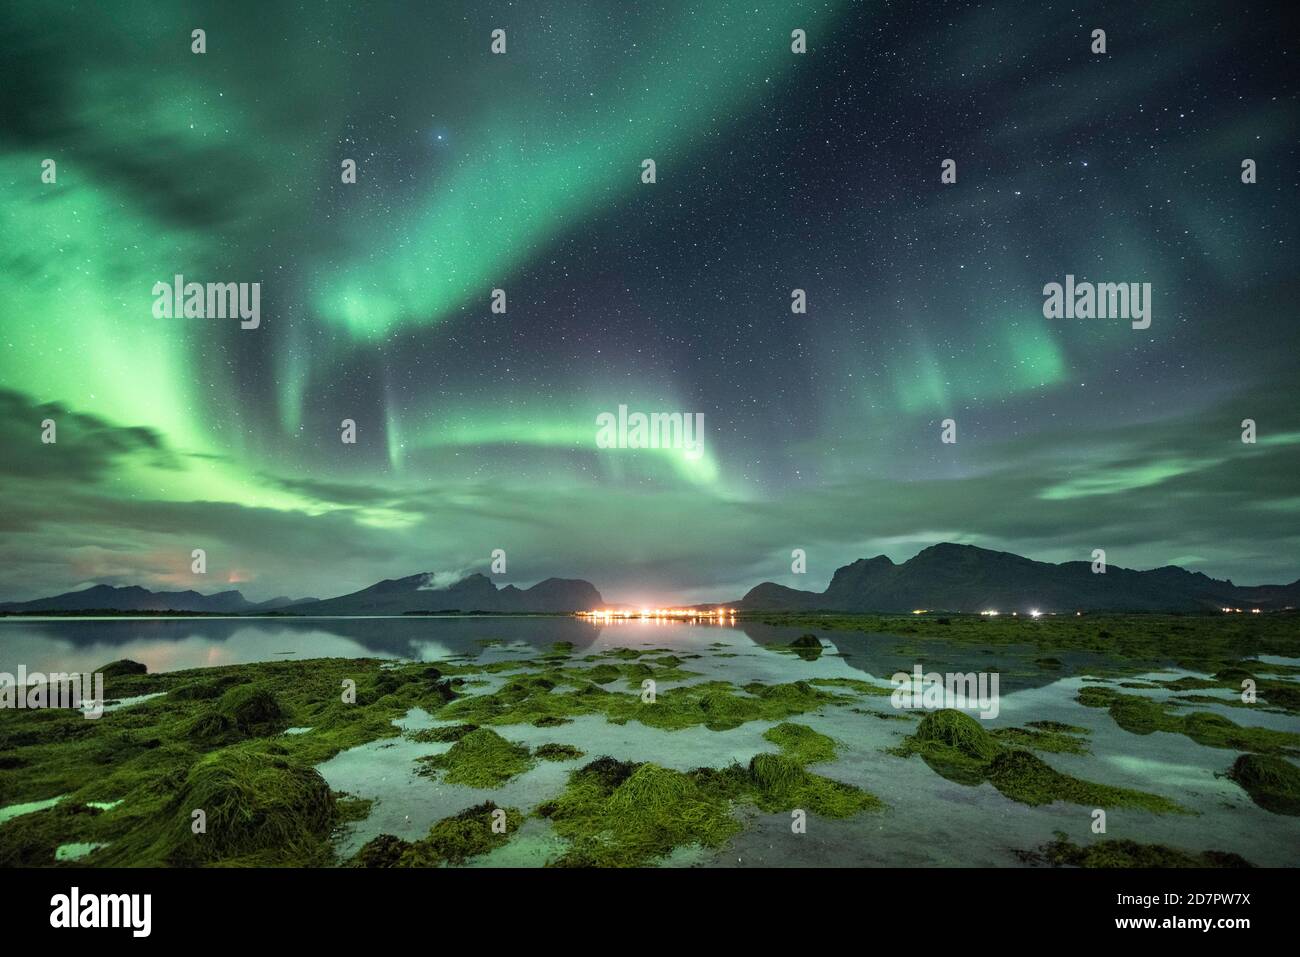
(965, 578)
(943, 577)
(415, 593)
(411, 595)
(135, 598)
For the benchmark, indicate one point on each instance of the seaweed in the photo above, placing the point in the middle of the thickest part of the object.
(1139, 715)
(801, 743)
(781, 783)
(558, 752)
(1132, 644)
(214, 746)
(1026, 778)
(1128, 854)
(1273, 783)
(956, 747)
(616, 813)
(441, 734)
(808, 647)
(453, 840)
(259, 808)
(480, 759)
(620, 816)
(854, 684)
(1050, 736)
(714, 704)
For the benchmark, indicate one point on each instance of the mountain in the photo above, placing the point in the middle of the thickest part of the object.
(944, 577)
(390, 597)
(964, 578)
(135, 598)
(399, 596)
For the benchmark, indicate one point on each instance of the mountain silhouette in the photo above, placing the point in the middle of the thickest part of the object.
(399, 596)
(943, 577)
(415, 593)
(965, 578)
(135, 598)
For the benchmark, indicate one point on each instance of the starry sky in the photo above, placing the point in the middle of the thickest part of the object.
(522, 171)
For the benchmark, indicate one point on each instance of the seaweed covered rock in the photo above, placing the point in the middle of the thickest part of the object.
(558, 752)
(1129, 854)
(122, 668)
(808, 647)
(480, 759)
(801, 743)
(959, 731)
(603, 674)
(456, 839)
(1233, 676)
(1050, 736)
(250, 707)
(442, 734)
(716, 705)
(258, 809)
(798, 694)
(651, 786)
(775, 774)
(205, 689)
(1282, 695)
(125, 678)
(625, 815)
(382, 851)
(605, 772)
(1139, 715)
(723, 710)
(782, 784)
(1273, 783)
(453, 840)
(551, 721)
(656, 809)
(519, 689)
(955, 746)
(1026, 778)
(426, 681)
(243, 711)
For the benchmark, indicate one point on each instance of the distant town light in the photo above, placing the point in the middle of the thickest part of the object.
(645, 614)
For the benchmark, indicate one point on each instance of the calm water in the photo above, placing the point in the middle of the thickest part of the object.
(930, 821)
(175, 644)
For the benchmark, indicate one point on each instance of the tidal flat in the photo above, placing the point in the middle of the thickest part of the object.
(771, 741)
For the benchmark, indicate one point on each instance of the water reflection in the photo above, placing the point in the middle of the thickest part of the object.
(176, 644)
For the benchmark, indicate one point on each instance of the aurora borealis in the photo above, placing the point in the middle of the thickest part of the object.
(775, 171)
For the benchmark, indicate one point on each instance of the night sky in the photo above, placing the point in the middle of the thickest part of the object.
(522, 171)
